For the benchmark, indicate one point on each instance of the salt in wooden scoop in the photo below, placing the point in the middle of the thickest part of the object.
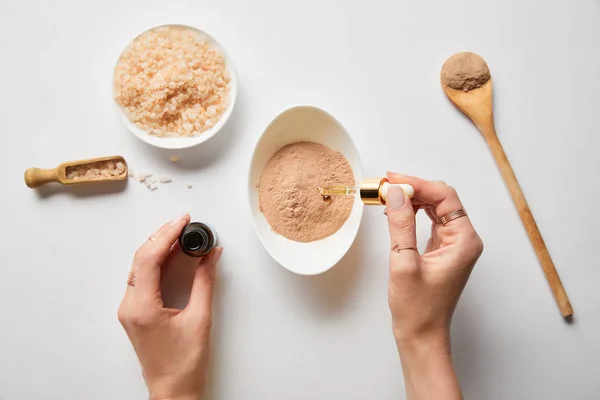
(467, 82)
(93, 170)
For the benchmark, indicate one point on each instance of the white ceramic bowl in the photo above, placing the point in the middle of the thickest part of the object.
(185, 142)
(298, 124)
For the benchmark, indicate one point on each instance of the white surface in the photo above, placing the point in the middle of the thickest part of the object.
(175, 143)
(304, 124)
(375, 66)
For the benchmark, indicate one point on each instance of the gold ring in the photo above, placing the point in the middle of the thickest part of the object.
(398, 249)
(131, 279)
(453, 215)
(152, 239)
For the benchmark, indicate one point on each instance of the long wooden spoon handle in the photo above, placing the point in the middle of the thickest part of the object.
(35, 177)
(530, 226)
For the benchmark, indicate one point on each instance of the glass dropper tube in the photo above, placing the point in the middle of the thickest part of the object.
(372, 191)
(339, 190)
(368, 191)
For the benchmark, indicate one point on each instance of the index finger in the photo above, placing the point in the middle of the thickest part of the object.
(152, 254)
(443, 197)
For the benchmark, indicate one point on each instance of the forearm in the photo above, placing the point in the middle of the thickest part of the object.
(428, 369)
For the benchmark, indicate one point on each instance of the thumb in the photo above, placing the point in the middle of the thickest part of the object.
(401, 219)
(199, 307)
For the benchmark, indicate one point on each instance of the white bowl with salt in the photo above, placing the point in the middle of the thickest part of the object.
(172, 141)
(304, 124)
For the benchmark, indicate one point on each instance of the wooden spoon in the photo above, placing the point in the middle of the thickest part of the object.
(35, 177)
(477, 105)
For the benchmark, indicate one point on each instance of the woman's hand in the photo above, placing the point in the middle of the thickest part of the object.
(172, 345)
(424, 289)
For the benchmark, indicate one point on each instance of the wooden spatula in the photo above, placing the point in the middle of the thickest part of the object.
(477, 105)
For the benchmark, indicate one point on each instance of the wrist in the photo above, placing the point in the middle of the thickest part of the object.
(427, 366)
(167, 396)
(434, 341)
(175, 398)
(173, 389)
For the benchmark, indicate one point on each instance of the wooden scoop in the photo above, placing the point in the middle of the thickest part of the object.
(35, 177)
(477, 105)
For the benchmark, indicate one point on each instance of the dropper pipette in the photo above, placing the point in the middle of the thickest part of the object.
(372, 191)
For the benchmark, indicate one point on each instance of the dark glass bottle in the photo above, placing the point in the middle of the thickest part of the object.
(197, 239)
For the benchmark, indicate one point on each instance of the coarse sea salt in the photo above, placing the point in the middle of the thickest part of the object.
(171, 82)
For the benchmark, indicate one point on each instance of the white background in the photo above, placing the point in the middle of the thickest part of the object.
(373, 65)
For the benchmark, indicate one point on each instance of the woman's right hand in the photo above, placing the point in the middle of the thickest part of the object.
(424, 289)
(171, 344)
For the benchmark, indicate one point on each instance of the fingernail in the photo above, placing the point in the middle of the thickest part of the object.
(395, 197)
(217, 254)
(176, 220)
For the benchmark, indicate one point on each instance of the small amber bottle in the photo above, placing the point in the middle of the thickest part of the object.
(197, 239)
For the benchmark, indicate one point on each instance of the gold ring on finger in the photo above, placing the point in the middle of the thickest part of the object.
(131, 279)
(451, 216)
(397, 249)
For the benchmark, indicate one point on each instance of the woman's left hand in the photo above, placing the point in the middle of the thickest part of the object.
(172, 345)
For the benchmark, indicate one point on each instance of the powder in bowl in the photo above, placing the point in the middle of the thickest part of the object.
(171, 82)
(289, 196)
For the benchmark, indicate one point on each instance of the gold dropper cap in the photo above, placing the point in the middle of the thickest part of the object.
(369, 191)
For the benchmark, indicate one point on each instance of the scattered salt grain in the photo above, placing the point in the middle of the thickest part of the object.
(143, 177)
(150, 185)
(150, 180)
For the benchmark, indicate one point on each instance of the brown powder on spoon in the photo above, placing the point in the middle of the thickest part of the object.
(465, 71)
(289, 196)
